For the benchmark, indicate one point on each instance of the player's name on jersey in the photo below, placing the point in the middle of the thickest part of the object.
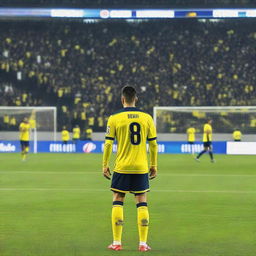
(133, 116)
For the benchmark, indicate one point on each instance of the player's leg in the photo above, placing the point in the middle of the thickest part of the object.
(211, 154)
(139, 186)
(120, 186)
(192, 150)
(202, 152)
(117, 219)
(26, 149)
(142, 220)
(22, 145)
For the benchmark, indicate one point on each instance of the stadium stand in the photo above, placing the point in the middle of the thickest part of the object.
(80, 67)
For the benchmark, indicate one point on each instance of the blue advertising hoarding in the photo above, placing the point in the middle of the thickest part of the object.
(78, 13)
(169, 147)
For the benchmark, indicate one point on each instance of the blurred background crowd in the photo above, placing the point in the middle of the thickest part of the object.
(81, 68)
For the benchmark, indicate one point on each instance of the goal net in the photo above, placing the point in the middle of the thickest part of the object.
(176, 120)
(42, 121)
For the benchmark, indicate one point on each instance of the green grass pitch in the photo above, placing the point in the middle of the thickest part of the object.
(60, 205)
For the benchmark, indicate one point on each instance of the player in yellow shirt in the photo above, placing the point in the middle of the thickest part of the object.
(131, 128)
(65, 135)
(24, 138)
(191, 137)
(76, 133)
(207, 140)
(237, 135)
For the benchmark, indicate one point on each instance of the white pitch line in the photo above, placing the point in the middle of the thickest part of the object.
(48, 172)
(104, 190)
(207, 175)
(54, 189)
(160, 174)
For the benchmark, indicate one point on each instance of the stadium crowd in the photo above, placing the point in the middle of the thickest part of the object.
(80, 67)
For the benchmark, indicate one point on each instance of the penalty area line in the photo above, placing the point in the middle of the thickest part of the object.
(160, 174)
(156, 190)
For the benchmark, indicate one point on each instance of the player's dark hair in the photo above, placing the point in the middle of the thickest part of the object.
(129, 94)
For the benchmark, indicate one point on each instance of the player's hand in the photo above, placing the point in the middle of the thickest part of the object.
(106, 172)
(152, 172)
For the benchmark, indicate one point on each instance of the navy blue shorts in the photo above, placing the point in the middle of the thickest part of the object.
(133, 183)
(24, 143)
(191, 142)
(207, 144)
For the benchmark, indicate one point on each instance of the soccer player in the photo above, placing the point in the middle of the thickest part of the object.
(207, 140)
(24, 138)
(76, 133)
(88, 133)
(65, 135)
(237, 135)
(191, 137)
(131, 128)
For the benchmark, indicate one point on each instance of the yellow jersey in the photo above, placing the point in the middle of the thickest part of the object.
(88, 133)
(131, 128)
(207, 133)
(24, 131)
(65, 135)
(237, 135)
(76, 133)
(191, 134)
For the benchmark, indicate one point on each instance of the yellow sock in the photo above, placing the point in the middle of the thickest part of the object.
(143, 221)
(117, 221)
(23, 155)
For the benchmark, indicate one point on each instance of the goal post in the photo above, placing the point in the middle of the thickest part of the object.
(175, 120)
(43, 122)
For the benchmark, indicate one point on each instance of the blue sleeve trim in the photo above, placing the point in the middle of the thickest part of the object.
(109, 138)
(149, 139)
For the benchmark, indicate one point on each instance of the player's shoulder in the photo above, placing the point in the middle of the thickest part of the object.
(207, 126)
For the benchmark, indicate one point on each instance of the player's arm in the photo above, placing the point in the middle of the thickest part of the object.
(208, 132)
(109, 140)
(152, 150)
(207, 135)
(21, 128)
(153, 159)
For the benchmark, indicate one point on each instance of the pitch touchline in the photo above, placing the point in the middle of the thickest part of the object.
(104, 190)
(160, 174)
